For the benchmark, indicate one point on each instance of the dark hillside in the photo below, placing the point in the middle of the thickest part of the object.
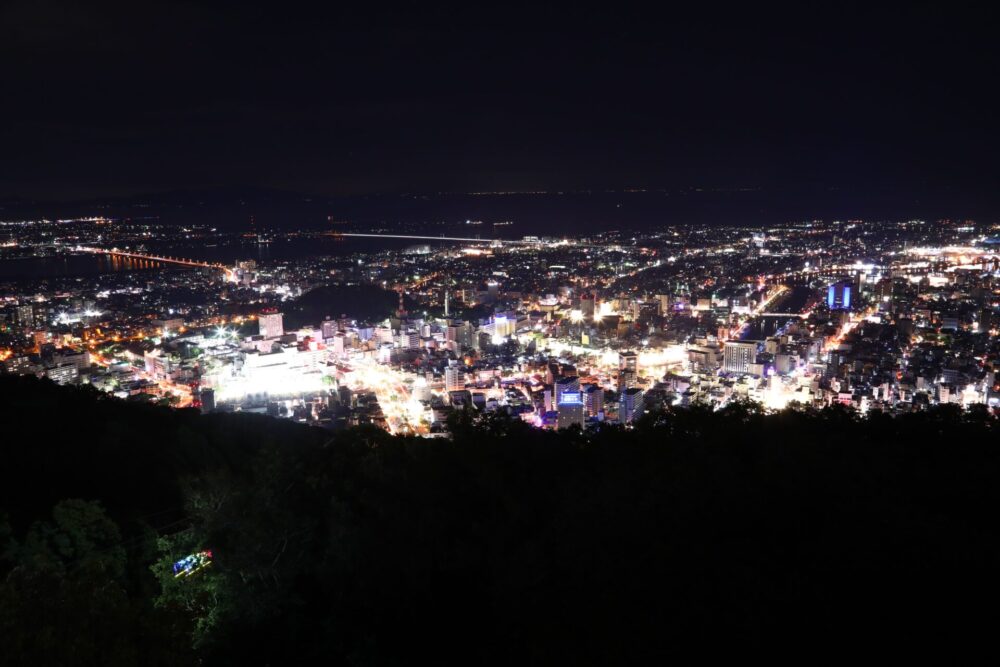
(725, 531)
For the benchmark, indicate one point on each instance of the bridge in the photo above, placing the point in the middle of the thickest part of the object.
(128, 254)
(802, 315)
(426, 238)
(462, 239)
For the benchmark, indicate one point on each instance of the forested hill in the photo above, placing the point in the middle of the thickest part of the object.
(718, 531)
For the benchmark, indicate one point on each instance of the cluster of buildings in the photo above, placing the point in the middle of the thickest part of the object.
(891, 316)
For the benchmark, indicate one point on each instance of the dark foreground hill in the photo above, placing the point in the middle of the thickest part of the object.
(801, 534)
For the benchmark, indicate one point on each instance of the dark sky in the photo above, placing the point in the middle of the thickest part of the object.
(103, 99)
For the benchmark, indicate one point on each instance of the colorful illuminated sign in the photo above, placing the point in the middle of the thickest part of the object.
(189, 565)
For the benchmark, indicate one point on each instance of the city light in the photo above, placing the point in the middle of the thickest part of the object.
(802, 312)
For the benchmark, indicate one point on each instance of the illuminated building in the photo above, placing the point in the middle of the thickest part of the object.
(630, 405)
(504, 325)
(628, 361)
(18, 365)
(838, 295)
(455, 331)
(454, 377)
(271, 325)
(157, 364)
(571, 410)
(338, 347)
(24, 315)
(67, 374)
(566, 385)
(705, 357)
(628, 370)
(593, 400)
(81, 359)
(409, 340)
(167, 325)
(383, 335)
(738, 357)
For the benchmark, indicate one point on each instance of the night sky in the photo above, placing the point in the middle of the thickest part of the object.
(105, 99)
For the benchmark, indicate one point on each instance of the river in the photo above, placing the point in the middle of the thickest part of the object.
(226, 251)
(795, 301)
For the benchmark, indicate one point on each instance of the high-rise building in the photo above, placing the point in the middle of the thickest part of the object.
(566, 385)
(459, 332)
(630, 405)
(492, 291)
(838, 295)
(409, 340)
(593, 400)
(628, 370)
(628, 361)
(737, 356)
(454, 377)
(571, 409)
(24, 315)
(271, 325)
(627, 379)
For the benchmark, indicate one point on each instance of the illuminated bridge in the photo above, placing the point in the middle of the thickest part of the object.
(803, 315)
(462, 239)
(421, 238)
(115, 252)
